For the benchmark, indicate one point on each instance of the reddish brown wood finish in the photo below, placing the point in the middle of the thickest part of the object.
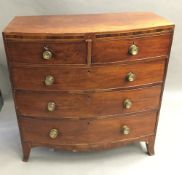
(26, 151)
(74, 52)
(88, 131)
(63, 52)
(90, 63)
(116, 49)
(150, 145)
(86, 105)
(71, 25)
(88, 78)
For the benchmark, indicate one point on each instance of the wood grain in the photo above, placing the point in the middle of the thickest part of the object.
(116, 49)
(75, 52)
(86, 105)
(88, 131)
(89, 112)
(88, 78)
(30, 52)
(91, 23)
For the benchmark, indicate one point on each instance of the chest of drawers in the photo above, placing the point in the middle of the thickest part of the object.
(88, 82)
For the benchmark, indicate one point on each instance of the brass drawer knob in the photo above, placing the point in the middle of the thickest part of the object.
(125, 130)
(53, 133)
(49, 80)
(47, 54)
(127, 103)
(51, 106)
(133, 50)
(130, 76)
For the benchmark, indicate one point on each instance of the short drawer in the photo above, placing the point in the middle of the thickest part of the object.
(88, 78)
(114, 50)
(66, 132)
(44, 52)
(86, 105)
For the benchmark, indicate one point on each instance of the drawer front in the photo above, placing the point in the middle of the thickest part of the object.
(113, 50)
(101, 77)
(62, 132)
(61, 53)
(88, 105)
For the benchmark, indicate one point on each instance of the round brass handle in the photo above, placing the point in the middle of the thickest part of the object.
(133, 50)
(51, 106)
(127, 103)
(49, 80)
(53, 133)
(125, 130)
(130, 76)
(47, 54)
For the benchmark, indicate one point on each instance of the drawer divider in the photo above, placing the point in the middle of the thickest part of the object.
(89, 52)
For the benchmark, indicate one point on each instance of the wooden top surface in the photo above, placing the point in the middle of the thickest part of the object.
(79, 24)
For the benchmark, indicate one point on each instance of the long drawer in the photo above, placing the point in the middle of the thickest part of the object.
(86, 105)
(88, 78)
(69, 132)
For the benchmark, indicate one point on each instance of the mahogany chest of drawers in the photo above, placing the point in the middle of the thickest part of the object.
(88, 82)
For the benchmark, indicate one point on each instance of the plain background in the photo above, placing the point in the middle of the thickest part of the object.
(126, 160)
